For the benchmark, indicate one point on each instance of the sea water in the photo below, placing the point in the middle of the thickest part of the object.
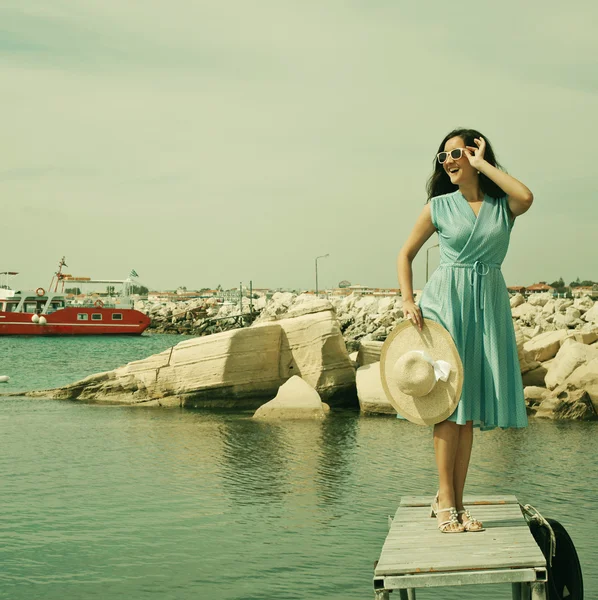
(138, 503)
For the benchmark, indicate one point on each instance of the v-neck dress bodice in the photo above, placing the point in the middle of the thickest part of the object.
(467, 294)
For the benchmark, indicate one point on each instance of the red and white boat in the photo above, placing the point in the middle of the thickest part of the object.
(41, 312)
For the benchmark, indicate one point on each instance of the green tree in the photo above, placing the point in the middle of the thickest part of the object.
(139, 289)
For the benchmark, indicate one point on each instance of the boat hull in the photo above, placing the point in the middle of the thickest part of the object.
(69, 321)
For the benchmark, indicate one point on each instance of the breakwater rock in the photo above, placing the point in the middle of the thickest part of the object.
(230, 369)
(557, 343)
(199, 317)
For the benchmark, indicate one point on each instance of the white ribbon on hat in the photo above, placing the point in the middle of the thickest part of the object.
(442, 368)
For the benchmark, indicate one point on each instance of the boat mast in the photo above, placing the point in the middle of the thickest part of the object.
(58, 275)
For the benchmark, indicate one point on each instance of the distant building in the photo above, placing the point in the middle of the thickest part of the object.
(538, 288)
(362, 290)
(231, 295)
(583, 290)
(171, 296)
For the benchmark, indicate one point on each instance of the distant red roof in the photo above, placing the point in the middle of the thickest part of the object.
(539, 286)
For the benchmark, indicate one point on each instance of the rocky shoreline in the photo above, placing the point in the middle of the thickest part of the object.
(334, 346)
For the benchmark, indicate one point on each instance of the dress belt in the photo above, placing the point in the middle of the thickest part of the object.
(478, 270)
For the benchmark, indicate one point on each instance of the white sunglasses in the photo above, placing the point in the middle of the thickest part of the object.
(456, 154)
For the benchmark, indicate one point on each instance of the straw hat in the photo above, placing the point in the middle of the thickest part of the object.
(422, 372)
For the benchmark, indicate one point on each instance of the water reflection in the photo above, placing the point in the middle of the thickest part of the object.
(336, 455)
(301, 462)
(255, 466)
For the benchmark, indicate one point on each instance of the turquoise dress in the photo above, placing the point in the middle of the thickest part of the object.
(467, 294)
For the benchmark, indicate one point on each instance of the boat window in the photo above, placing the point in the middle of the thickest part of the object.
(30, 307)
(82, 316)
(54, 307)
(96, 317)
(117, 317)
(11, 306)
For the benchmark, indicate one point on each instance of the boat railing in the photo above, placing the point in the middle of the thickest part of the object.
(92, 304)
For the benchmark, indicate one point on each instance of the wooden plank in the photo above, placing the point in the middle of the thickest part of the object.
(399, 563)
(421, 565)
(430, 531)
(392, 567)
(455, 546)
(467, 551)
(459, 578)
(429, 524)
(467, 500)
(466, 556)
(425, 510)
(431, 534)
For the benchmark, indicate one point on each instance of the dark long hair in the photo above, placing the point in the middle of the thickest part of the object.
(440, 183)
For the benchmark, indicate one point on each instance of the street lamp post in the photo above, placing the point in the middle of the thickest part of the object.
(427, 255)
(323, 256)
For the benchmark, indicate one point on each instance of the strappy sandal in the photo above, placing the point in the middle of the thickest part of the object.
(447, 526)
(470, 523)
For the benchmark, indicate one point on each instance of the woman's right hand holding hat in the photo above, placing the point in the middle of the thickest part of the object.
(412, 312)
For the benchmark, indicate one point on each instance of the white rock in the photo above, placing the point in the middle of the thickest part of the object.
(313, 347)
(516, 300)
(564, 321)
(588, 334)
(584, 303)
(532, 392)
(295, 399)
(526, 358)
(585, 377)
(592, 314)
(524, 311)
(561, 304)
(369, 352)
(308, 306)
(549, 308)
(539, 299)
(372, 398)
(546, 345)
(571, 355)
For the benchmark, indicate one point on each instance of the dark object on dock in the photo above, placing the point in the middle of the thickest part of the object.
(565, 580)
(415, 554)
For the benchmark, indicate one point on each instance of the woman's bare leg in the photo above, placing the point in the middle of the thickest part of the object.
(462, 457)
(460, 473)
(446, 443)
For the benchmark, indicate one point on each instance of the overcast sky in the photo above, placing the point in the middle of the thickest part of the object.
(204, 143)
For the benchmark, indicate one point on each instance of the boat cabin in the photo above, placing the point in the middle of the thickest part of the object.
(30, 302)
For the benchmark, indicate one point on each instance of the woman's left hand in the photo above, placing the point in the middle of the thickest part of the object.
(477, 158)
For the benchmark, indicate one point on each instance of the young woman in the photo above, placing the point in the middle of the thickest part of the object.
(472, 204)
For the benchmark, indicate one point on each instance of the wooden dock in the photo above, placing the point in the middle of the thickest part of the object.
(416, 554)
